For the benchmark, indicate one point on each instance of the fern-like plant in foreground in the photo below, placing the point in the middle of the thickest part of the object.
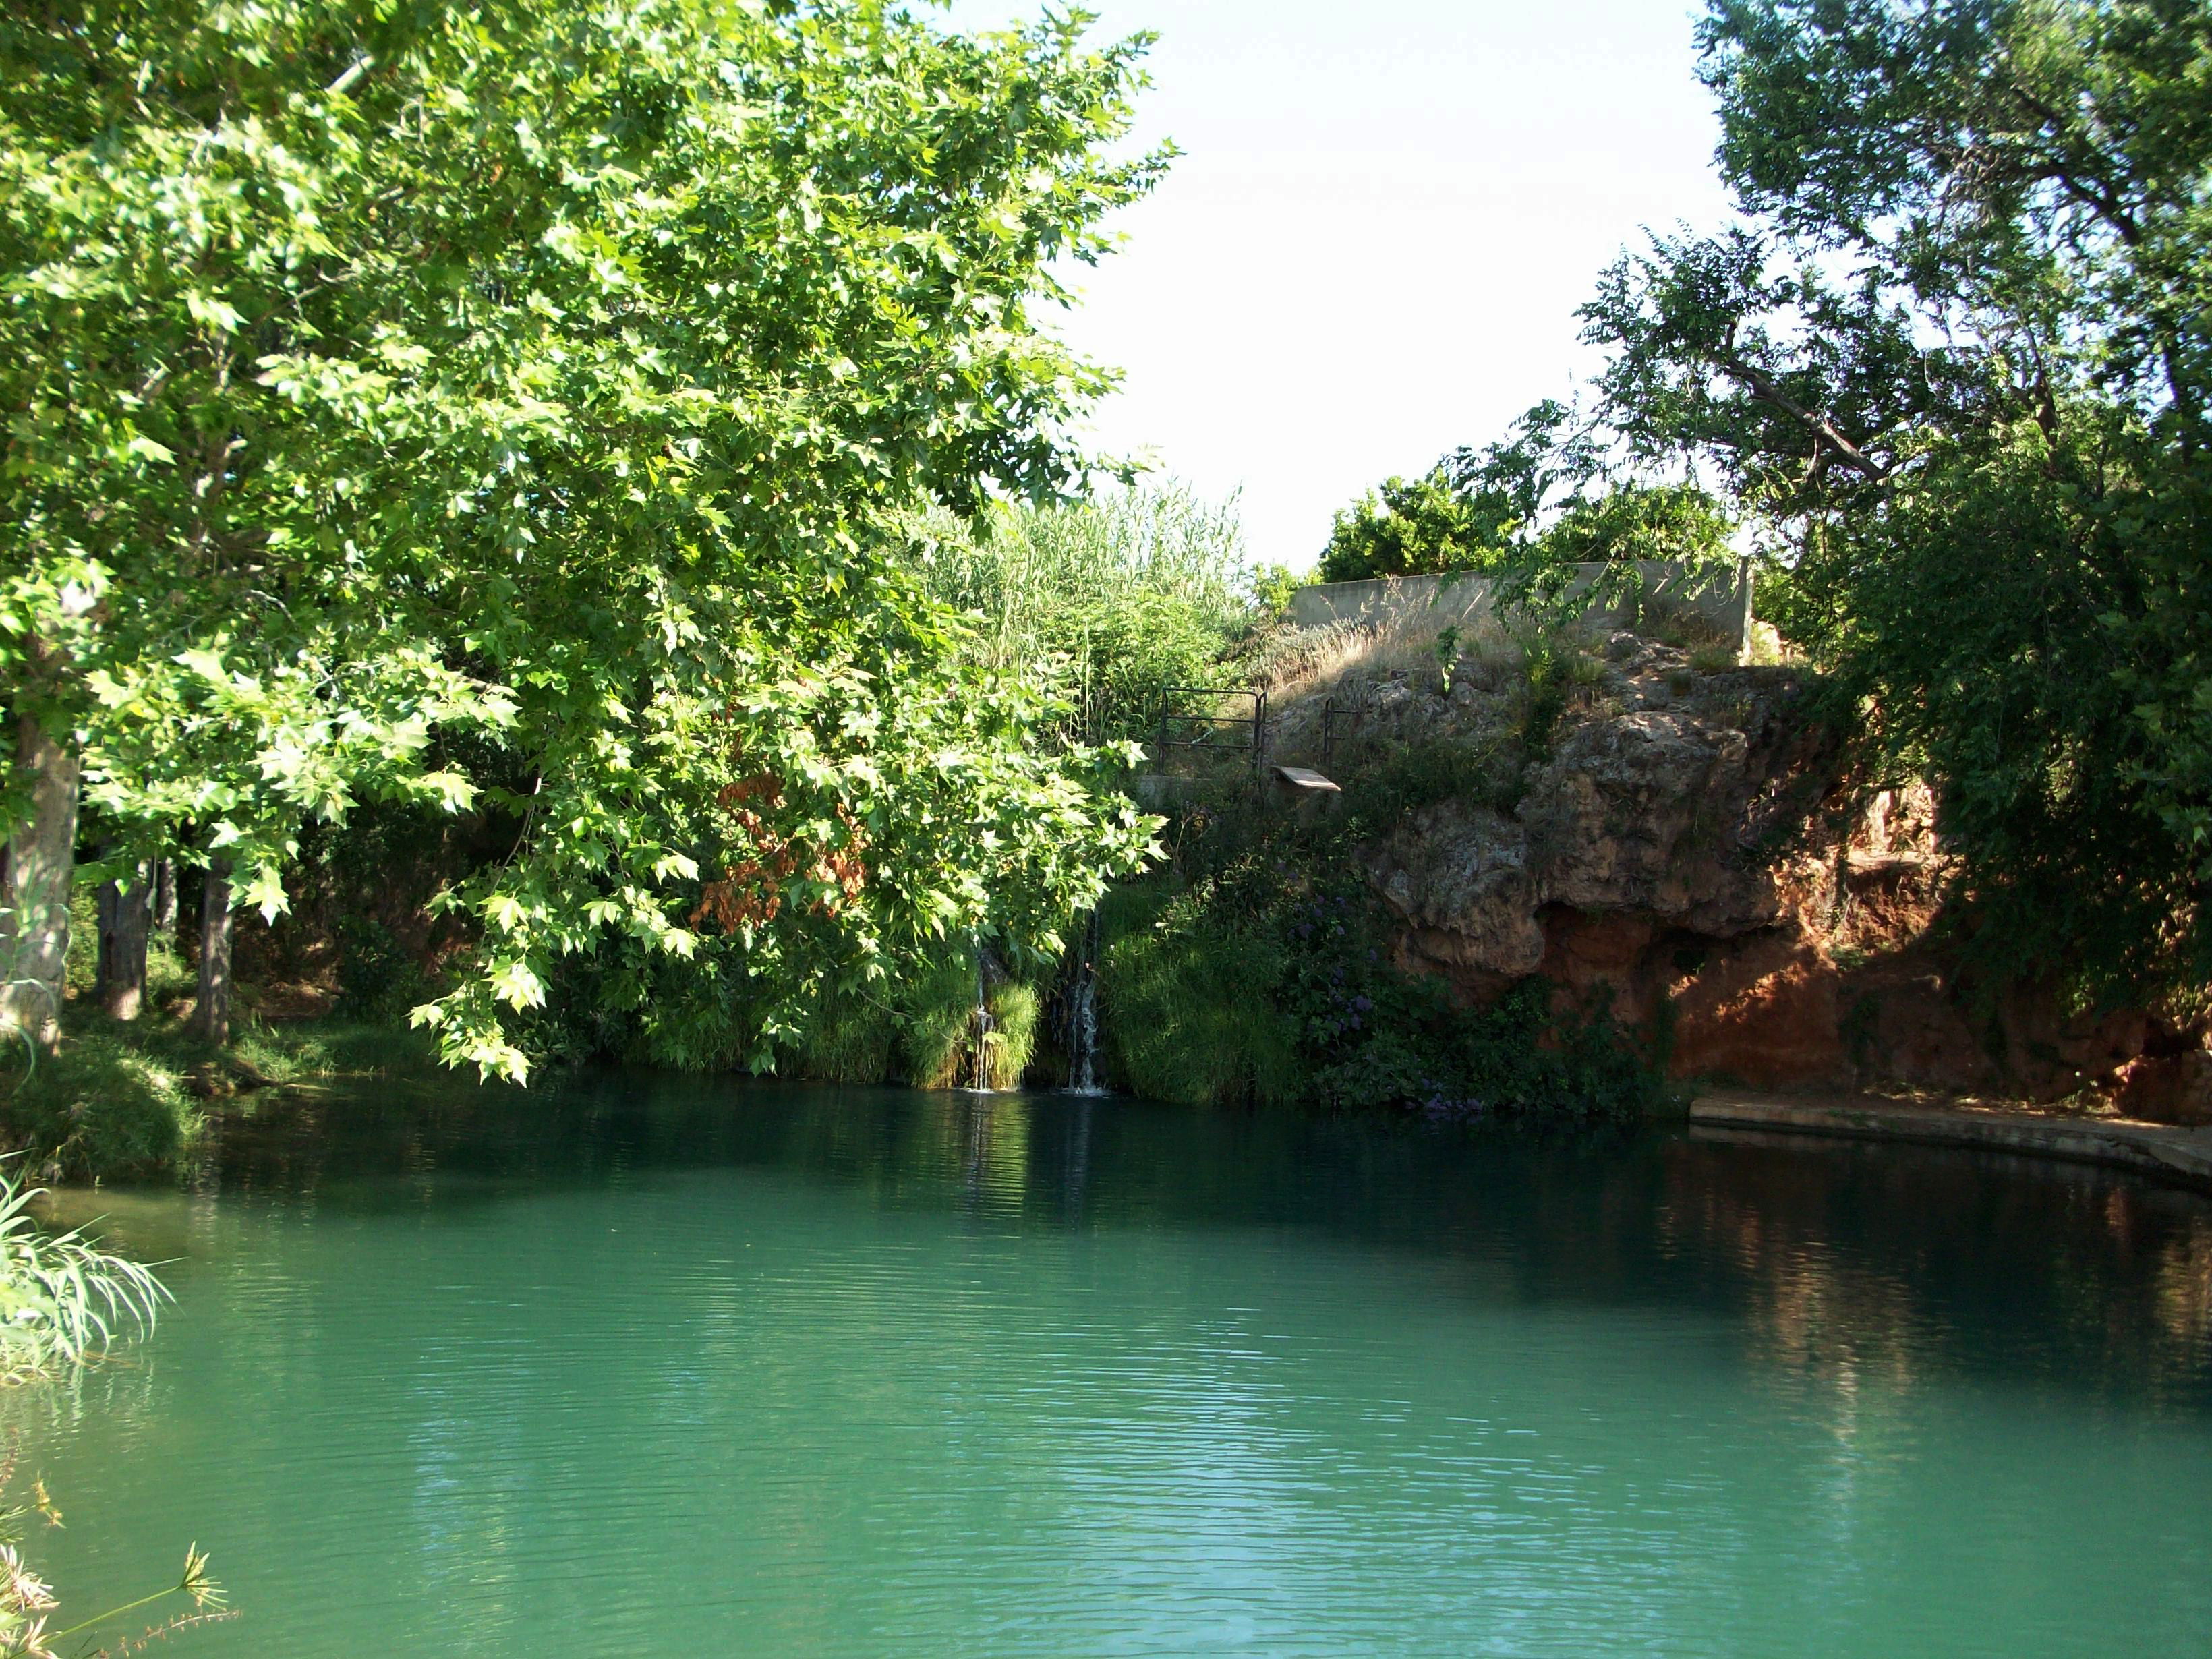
(27, 1604)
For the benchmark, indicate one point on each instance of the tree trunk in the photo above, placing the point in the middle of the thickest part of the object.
(125, 913)
(164, 921)
(210, 1019)
(34, 929)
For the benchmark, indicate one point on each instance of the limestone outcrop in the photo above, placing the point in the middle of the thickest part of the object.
(1681, 843)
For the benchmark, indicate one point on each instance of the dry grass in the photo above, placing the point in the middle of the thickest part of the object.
(1300, 663)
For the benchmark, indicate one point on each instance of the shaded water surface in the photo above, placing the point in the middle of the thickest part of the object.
(636, 1366)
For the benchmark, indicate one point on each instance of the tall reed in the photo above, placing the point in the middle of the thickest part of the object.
(1125, 594)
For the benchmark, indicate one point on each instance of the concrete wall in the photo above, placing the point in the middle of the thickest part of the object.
(1719, 599)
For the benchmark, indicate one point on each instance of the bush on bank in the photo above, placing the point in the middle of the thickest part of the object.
(1228, 991)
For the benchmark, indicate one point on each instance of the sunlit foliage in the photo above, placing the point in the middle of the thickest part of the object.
(510, 411)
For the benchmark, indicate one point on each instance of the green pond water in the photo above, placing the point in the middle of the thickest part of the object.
(635, 1366)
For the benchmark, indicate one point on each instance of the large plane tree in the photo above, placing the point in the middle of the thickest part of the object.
(501, 407)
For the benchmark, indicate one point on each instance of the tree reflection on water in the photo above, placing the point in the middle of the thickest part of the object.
(1847, 1265)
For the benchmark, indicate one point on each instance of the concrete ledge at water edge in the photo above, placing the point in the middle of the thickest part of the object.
(1717, 596)
(2183, 1156)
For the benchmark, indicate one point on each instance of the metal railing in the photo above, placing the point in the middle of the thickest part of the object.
(1188, 720)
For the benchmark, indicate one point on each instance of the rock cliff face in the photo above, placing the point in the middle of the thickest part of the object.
(1685, 848)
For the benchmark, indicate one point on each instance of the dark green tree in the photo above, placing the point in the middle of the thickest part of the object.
(1412, 528)
(1955, 361)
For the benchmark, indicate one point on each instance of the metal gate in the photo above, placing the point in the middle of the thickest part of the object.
(1188, 720)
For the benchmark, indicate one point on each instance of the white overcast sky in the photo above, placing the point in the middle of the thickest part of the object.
(1386, 213)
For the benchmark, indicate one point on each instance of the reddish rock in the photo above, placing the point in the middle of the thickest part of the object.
(2166, 1089)
(1764, 1012)
(1904, 1027)
(1589, 957)
(1689, 843)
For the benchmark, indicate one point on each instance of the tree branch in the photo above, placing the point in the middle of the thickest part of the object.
(1761, 388)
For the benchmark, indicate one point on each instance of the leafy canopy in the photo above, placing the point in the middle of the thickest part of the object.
(1955, 358)
(509, 410)
(1542, 496)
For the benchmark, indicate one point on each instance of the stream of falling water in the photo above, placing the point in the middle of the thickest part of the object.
(1082, 1014)
(982, 1082)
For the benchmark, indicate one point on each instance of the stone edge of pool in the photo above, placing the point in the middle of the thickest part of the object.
(2179, 1154)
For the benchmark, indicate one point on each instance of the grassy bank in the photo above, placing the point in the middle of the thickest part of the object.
(120, 1100)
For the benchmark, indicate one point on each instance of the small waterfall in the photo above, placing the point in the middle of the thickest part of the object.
(1082, 1014)
(981, 1081)
(1083, 1037)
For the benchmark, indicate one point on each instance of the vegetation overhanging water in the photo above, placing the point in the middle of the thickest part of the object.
(572, 518)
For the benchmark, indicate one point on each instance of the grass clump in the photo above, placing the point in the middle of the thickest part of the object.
(120, 1100)
(1557, 668)
(315, 1050)
(920, 1029)
(937, 1023)
(102, 1107)
(854, 1040)
(936, 1029)
(1014, 1037)
(1186, 1011)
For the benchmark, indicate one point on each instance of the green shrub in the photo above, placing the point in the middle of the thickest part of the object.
(169, 978)
(1187, 1016)
(1415, 526)
(1267, 977)
(1556, 665)
(1404, 778)
(1132, 592)
(1272, 585)
(1633, 521)
(1481, 510)
(378, 979)
(1522, 1058)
